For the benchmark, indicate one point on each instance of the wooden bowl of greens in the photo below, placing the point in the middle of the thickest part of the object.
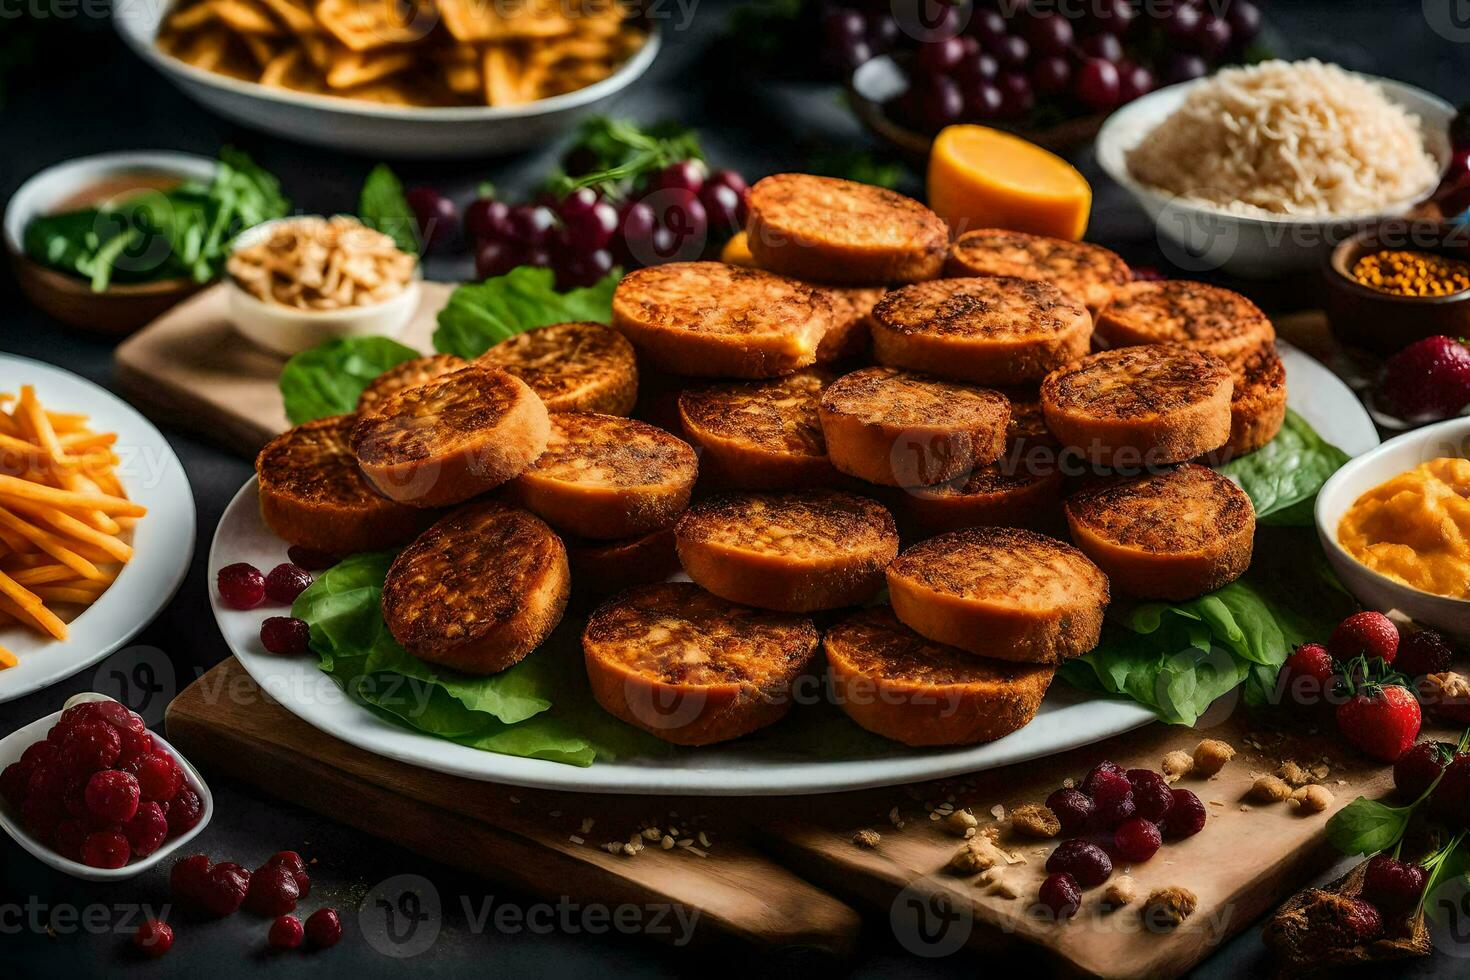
(108, 243)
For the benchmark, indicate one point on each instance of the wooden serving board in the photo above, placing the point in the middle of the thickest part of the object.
(191, 369)
(779, 873)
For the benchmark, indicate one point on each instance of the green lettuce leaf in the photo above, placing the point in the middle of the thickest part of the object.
(328, 379)
(383, 206)
(1282, 477)
(481, 315)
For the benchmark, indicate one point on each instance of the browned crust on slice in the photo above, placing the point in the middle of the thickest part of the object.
(798, 551)
(988, 330)
(1001, 592)
(452, 438)
(1008, 493)
(572, 367)
(1194, 314)
(708, 319)
(692, 668)
(312, 494)
(851, 335)
(892, 681)
(603, 476)
(1257, 407)
(1088, 273)
(1028, 422)
(839, 231)
(479, 590)
(900, 429)
(600, 568)
(406, 375)
(761, 435)
(1135, 407)
(1172, 535)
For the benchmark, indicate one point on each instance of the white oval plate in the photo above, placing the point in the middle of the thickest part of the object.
(1067, 719)
(163, 541)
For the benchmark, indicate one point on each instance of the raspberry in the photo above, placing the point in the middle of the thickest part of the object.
(89, 746)
(1393, 886)
(1186, 817)
(40, 816)
(112, 796)
(1061, 896)
(69, 838)
(292, 862)
(1419, 767)
(286, 932)
(75, 715)
(153, 938)
(1361, 920)
(148, 829)
(40, 753)
(135, 745)
(1451, 799)
(1428, 379)
(309, 559)
(75, 800)
(1099, 771)
(1369, 634)
(324, 928)
(285, 635)
(187, 876)
(273, 891)
(13, 782)
(1152, 796)
(223, 888)
(158, 777)
(184, 812)
(1424, 652)
(1073, 808)
(241, 585)
(119, 717)
(48, 783)
(1087, 863)
(105, 849)
(1137, 840)
(286, 582)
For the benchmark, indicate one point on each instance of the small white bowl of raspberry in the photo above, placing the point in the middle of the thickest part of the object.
(91, 792)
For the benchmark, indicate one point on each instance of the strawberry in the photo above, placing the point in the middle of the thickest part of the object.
(1382, 720)
(1428, 379)
(1308, 673)
(1370, 634)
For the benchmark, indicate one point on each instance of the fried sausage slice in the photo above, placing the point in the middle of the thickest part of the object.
(825, 229)
(452, 438)
(1171, 535)
(892, 681)
(412, 372)
(1008, 493)
(1192, 314)
(692, 668)
(479, 590)
(1257, 406)
(603, 476)
(572, 367)
(761, 435)
(851, 334)
(1088, 273)
(798, 551)
(989, 330)
(1001, 592)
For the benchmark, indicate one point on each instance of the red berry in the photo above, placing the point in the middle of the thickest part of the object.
(1381, 721)
(1359, 922)
(148, 829)
(89, 746)
(292, 862)
(1113, 810)
(1308, 674)
(273, 891)
(1428, 379)
(1152, 795)
(1186, 816)
(69, 837)
(1099, 771)
(285, 635)
(184, 812)
(286, 582)
(324, 928)
(13, 782)
(1084, 861)
(105, 849)
(1137, 840)
(159, 778)
(286, 932)
(1424, 652)
(119, 716)
(112, 796)
(40, 753)
(40, 816)
(1393, 886)
(1369, 634)
(1451, 799)
(223, 888)
(241, 585)
(135, 745)
(310, 560)
(76, 714)
(1073, 808)
(1061, 896)
(187, 876)
(1418, 768)
(153, 938)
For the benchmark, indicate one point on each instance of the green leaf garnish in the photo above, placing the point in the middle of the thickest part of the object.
(328, 379)
(479, 316)
(383, 206)
(1282, 477)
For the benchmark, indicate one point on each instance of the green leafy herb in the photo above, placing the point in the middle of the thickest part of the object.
(1367, 826)
(613, 155)
(858, 165)
(328, 379)
(1282, 477)
(383, 206)
(479, 316)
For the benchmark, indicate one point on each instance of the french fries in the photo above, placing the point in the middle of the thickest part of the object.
(64, 518)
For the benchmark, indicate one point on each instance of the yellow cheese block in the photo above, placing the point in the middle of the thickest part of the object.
(985, 178)
(737, 252)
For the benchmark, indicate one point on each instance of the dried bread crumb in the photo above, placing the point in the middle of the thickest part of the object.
(1269, 789)
(1211, 755)
(1293, 774)
(1120, 891)
(1312, 799)
(1177, 765)
(1166, 908)
(961, 823)
(867, 838)
(1035, 820)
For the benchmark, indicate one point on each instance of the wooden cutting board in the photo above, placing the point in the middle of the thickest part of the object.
(779, 873)
(191, 369)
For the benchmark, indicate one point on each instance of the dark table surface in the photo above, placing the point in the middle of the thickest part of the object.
(89, 95)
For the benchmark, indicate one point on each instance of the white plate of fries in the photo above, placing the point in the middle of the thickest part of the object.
(426, 78)
(96, 524)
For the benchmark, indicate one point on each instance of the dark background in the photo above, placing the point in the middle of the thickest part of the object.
(73, 90)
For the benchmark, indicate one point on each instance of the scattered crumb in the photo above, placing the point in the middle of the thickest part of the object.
(973, 857)
(1005, 889)
(1293, 774)
(1211, 755)
(1035, 820)
(1120, 891)
(1269, 789)
(961, 823)
(1166, 908)
(867, 838)
(1312, 799)
(1177, 765)
(998, 812)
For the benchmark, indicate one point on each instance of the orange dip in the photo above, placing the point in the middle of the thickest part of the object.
(1415, 528)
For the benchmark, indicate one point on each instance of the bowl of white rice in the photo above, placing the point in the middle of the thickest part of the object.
(1259, 171)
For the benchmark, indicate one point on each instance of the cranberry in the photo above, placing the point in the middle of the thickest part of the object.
(1113, 806)
(13, 782)
(184, 812)
(158, 776)
(1099, 772)
(1086, 862)
(105, 849)
(292, 862)
(112, 796)
(40, 753)
(241, 585)
(48, 783)
(153, 938)
(1061, 895)
(324, 928)
(1152, 796)
(148, 829)
(1073, 808)
(1393, 886)
(273, 891)
(187, 876)
(223, 888)
(1137, 840)
(119, 716)
(135, 745)
(309, 559)
(75, 715)
(1419, 767)
(75, 801)
(40, 816)
(285, 635)
(286, 932)
(89, 746)
(1186, 816)
(1451, 799)
(285, 582)
(69, 837)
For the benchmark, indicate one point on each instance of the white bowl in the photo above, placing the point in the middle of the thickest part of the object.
(371, 128)
(1357, 477)
(288, 331)
(14, 744)
(1199, 238)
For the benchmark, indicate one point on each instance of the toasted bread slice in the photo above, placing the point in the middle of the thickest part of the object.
(711, 320)
(1171, 535)
(479, 590)
(825, 229)
(452, 438)
(607, 477)
(1257, 407)
(1088, 273)
(1192, 314)
(761, 435)
(797, 551)
(692, 668)
(901, 429)
(994, 330)
(406, 375)
(601, 568)
(1001, 592)
(892, 681)
(572, 367)
(851, 334)
(1028, 422)
(1136, 407)
(312, 494)
(1007, 493)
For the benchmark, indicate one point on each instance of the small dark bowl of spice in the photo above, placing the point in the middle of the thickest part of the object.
(1397, 282)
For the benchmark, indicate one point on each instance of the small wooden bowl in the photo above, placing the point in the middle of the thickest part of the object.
(1382, 323)
(116, 311)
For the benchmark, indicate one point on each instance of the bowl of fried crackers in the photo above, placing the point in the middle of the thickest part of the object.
(398, 78)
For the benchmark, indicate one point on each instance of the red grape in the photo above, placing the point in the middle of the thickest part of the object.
(1051, 75)
(583, 269)
(1017, 99)
(982, 67)
(635, 232)
(722, 205)
(853, 53)
(940, 57)
(591, 228)
(1104, 46)
(1183, 22)
(1134, 81)
(983, 99)
(883, 31)
(1050, 33)
(1212, 36)
(580, 200)
(435, 215)
(494, 257)
(1245, 20)
(728, 178)
(529, 224)
(1113, 16)
(1097, 84)
(685, 217)
(682, 175)
(537, 255)
(1186, 68)
(938, 102)
(988, 25)
(843, 24)
(1011, 50)
(487, 218)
